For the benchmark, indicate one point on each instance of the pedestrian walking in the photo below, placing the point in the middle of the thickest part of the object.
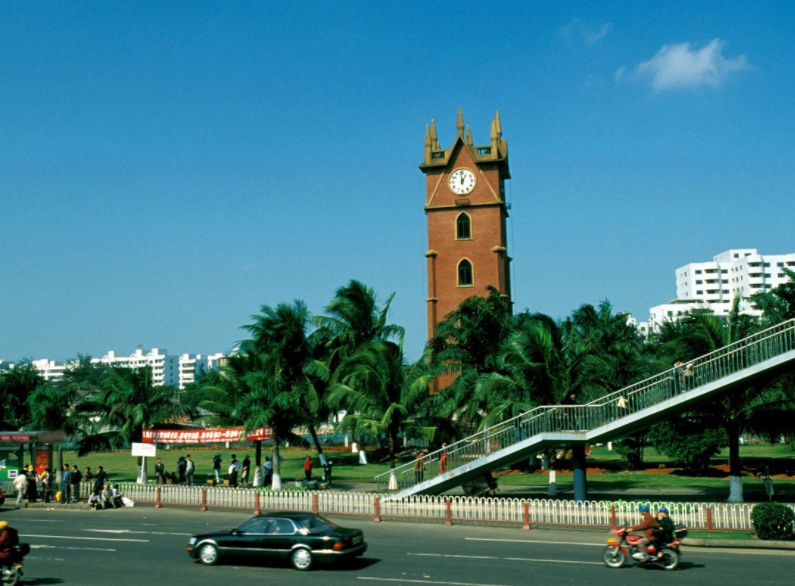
(33, 488)
(308, 468)
(267, 471)
(46, 482)
(77, 478)
(190, 468)
(181, 468)
(443, 465)
(234, 469)
(20, 485)
(66, 481)
(244, 470)
(419, 468)
(217, 459)
(160, 472)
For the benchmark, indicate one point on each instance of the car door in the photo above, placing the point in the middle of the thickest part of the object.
(280, 538)
(247, 539)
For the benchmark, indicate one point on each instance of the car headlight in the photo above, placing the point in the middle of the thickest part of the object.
(192, 541)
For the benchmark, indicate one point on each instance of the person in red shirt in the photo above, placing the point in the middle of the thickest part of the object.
(308, 468)
(7, 542)
(648, 524)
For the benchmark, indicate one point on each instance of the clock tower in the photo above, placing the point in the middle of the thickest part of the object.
(466, 211)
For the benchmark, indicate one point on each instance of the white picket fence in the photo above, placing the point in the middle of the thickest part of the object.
(717, 516)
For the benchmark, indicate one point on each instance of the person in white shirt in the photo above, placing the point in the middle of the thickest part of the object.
(189, 470)
(20, 484)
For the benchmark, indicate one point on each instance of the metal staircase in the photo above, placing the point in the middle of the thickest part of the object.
(615, 415)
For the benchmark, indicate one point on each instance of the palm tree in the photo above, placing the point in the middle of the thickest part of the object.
(777, 305)
(541, 363)
(467, 346)
(16, 387)
(354, 317)
(283, 336)
(128, 403)
(383, 396)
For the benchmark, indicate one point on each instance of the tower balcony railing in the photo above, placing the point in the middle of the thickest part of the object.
(712, 367)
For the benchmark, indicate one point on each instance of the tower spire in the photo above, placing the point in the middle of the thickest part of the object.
(468, 137)
(434, 139)
(460, 122)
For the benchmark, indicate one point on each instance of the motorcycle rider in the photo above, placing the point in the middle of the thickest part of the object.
(8, 539)
(666, 532)
(647, 525)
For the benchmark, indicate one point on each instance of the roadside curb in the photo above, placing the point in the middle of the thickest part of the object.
(727, 543)
(57, 506)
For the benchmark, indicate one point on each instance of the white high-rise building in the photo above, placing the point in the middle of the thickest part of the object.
(50, 369)
(735, 273)
(165, 368)
(191, 366)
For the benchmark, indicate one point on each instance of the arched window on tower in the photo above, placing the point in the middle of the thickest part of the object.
(463, 227)
(465, 278)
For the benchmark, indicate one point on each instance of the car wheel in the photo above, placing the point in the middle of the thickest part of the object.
(208, 554)
(301, 559)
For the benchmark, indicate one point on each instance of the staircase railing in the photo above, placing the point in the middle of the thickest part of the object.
(647, 393)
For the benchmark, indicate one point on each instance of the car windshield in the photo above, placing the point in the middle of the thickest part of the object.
(315, 524)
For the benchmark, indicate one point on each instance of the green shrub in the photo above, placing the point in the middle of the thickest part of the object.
(773, 521)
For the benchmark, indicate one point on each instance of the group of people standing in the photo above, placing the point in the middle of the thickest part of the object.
(184, 473)
(63, 484)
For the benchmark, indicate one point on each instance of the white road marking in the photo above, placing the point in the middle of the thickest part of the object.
(425, 581)
(67, 547)
(733, 551)
(441, 555)
(126, 531)
(450, 555)
(86, 538)
(555, 561)
(538, 541)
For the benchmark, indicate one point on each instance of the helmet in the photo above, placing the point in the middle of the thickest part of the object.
(663, 510)
(643, 509)
(3, 525)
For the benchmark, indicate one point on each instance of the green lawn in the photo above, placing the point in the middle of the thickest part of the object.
(121, 466)
(729, 535)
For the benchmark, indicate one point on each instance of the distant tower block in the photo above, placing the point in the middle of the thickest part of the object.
(466, 210)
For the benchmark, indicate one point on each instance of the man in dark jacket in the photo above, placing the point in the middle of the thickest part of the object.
(77, 478)
(648, 524)
(100, 480)
(66, 481)
(160, 472)
(665, 533)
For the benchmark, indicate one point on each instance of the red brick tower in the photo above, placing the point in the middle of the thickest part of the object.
(465, 205)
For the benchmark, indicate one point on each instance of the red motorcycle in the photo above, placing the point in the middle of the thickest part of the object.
(664, 554)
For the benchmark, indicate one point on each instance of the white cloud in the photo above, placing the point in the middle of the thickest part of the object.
(681, 67)
(577, 29)
(596, 36)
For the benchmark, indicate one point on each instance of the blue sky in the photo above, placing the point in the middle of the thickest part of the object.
(168, 167)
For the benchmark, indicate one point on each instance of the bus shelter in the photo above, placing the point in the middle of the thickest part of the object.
(39, 446)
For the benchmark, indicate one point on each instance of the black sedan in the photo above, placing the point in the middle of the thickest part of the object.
(301, 538)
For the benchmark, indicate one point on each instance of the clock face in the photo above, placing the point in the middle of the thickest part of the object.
(462, 181)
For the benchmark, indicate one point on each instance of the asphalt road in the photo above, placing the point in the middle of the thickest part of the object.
(144, 546)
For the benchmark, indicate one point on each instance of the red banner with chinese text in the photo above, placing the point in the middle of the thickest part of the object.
(204, 436)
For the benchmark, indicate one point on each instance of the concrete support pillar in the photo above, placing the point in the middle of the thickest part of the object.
(580, 479)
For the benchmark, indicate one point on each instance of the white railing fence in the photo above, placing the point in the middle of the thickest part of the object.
(696, 515)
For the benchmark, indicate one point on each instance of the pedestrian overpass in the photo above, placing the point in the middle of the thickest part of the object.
(618, 414)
